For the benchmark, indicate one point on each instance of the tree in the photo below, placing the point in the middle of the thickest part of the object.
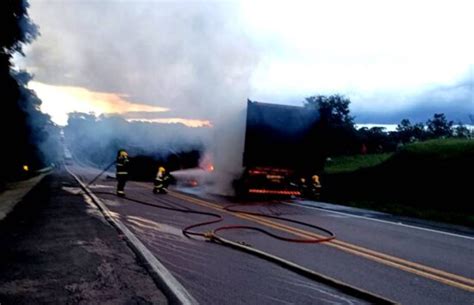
(406, 132)
(96, 139)
(439, 126)
(333, 109)
(25, 127)
(335, 130)
(419, 132)
(461, 131)
(17, 27)
(376, 139)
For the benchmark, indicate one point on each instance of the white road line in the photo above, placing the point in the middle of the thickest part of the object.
(171, 287)
(379, 220)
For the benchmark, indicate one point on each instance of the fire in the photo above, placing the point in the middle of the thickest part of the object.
(26, 168)
(206, 163)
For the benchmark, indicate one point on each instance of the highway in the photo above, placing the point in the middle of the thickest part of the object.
(404, 263)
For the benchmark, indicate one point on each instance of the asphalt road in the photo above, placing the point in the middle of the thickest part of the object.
(56, 248)
(408, 264)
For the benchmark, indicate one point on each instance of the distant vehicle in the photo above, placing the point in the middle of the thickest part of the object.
(280, 154)
(67, 156)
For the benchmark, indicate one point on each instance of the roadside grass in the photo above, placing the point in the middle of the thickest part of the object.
(442, 148)
(353, 163)
(430, 180)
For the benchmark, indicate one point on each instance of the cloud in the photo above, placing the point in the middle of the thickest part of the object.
(198, 57)
(186, 122)
(184, 55)
(190, 57)
(456, 101)
(58, 101)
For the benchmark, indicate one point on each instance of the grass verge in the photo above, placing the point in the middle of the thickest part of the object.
(430, 180)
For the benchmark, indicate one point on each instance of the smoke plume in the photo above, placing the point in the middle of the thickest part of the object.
(188, 56)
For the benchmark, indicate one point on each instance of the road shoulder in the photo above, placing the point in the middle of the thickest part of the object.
(14, 193)
(58, 249)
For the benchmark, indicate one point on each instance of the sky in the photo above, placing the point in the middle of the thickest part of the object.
(197, 62)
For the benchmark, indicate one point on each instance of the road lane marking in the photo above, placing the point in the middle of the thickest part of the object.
(345, 244)
(173, 289)
(425, 271)
(303, 205)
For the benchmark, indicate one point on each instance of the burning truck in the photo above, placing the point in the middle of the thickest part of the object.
(281, 153)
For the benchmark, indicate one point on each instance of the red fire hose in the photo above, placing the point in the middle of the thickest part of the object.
(308, 273)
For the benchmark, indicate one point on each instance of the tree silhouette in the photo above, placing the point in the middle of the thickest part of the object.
(25, 128)
(461, 131)
(406, 132)
(439, 126)
(336, 133)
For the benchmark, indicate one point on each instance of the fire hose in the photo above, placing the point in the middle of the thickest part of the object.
(212, 236)
(301, 270)
(101, 173)
(295, 240)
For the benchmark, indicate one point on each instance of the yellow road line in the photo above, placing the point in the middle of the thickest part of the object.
(425, 271)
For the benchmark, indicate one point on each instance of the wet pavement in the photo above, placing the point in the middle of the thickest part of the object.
(406, 264)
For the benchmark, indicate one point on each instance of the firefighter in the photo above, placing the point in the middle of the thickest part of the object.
(315, 186)
(303, 187)
(161, 181)
(121, 171)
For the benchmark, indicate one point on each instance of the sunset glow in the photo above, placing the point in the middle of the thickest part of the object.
(188, 122)
(58, 101)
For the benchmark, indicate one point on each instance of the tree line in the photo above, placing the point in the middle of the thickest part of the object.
(337, 134)
(95, 140)
(29, 138)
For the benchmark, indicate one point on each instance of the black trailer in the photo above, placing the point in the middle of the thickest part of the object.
(280, 149)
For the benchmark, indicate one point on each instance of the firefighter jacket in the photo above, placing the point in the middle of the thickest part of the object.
(122, 165)
(162, 177)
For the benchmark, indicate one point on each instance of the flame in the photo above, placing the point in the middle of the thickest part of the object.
(26, 168)
(206, 163)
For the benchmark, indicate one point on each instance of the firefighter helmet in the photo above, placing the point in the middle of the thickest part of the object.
(161, 169)
(121, 153)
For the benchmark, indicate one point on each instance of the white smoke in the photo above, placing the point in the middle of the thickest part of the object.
(188, 56)
(228, 151)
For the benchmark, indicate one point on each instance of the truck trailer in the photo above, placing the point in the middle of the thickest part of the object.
(281, 152)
